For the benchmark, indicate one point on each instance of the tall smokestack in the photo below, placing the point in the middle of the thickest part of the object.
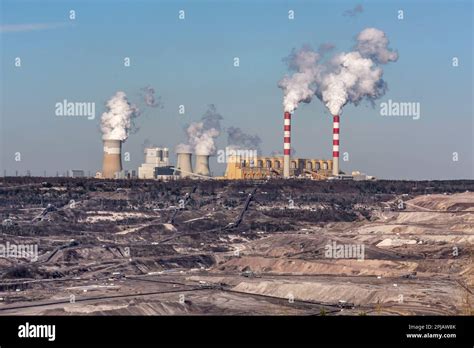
(286, 145)
(184, 164)
(335, 146)
(112, 158)
(202, 165)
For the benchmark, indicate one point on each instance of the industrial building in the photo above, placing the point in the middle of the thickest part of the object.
(272, 167)
(155, 157)
(165, 173)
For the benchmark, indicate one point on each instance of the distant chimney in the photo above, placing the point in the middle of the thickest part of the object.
(335, 146)
(286, 144)
(202, 165)
(112, 158)
(184, 165)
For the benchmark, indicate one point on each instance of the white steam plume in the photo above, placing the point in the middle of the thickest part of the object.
(183, 148)
(372, 43)
(356, 75)
(345, 78)
(117, 121)
(201, 139)
(201, 135)
(353, 79)
(299, 87)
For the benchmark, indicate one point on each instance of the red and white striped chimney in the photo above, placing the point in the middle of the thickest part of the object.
(286, 145)
(335, 145)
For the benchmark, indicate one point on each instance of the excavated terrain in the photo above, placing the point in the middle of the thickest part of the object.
(215, 247)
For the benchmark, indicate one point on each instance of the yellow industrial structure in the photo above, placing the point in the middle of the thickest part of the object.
(272, 167)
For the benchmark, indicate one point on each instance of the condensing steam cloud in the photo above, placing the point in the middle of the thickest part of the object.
(201, 135)
(238, 139)
(373, 44)
(344, 78)
(184, 148)
(117, 121)
(300, 87)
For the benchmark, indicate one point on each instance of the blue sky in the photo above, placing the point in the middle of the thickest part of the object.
(190, 62)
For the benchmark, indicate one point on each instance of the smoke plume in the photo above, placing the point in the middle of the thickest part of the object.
(117, 121)
(201, 135)
(354, 11)
(345, 78)
(149, 97)
(238, 139)
(211, 118)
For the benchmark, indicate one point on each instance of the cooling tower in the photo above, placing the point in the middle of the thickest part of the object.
(335, 146)
(202, 165)
(184, 164)
(286, 145)
(112, 158)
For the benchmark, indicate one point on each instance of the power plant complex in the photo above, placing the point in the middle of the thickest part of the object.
(238, 167)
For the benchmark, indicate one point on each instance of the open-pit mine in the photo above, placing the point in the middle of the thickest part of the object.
(274, 247)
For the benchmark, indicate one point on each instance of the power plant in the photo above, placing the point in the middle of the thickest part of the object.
(112, 162)
(116, 124)
(157, 163)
